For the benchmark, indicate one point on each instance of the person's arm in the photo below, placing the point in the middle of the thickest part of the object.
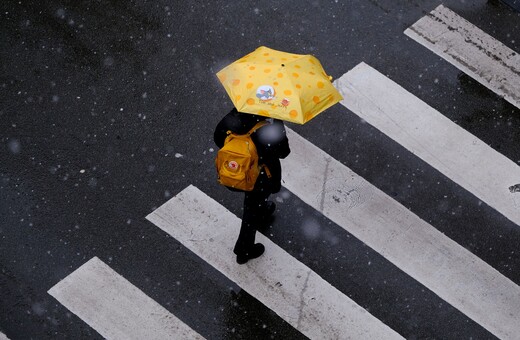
(282, 147)
(220, 134)
(229, 122)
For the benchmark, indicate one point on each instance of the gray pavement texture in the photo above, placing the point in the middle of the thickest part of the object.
(514, 4)
(107, 109)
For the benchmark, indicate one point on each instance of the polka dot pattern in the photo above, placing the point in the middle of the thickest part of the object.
(281, 85)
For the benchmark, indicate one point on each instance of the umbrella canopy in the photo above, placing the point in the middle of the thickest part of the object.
(287, 86)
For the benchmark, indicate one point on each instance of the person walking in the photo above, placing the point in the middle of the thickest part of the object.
(287, 87)
(272, 145)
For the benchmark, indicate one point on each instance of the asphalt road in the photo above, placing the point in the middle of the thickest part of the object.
(107, 110)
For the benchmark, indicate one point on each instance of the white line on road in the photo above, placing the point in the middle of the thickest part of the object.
(286, 286)
(449, 270)
(444, 145)
(3, 336)
(471, 50)
(114, 307)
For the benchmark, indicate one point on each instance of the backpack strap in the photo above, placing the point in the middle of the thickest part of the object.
(267, 171)
(253, 129)
(257, 126)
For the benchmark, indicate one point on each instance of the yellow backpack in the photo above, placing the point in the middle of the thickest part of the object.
(237, 162)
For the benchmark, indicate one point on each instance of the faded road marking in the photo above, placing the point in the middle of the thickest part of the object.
(428, 134)
(470, 49)
(114, 307)
(440, 264)
(282, 283)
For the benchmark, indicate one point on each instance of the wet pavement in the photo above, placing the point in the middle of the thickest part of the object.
(107, 110)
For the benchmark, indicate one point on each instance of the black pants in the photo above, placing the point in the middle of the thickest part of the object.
(254, 213)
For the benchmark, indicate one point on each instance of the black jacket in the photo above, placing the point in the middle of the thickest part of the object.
(270, 140)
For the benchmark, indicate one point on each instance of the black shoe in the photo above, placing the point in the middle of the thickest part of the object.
(257, 250)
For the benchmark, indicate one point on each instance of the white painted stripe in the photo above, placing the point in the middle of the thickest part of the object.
(286, 286)
(449, 270)
(3, 336)
(444, 145)
(471, 50)
(114, 307)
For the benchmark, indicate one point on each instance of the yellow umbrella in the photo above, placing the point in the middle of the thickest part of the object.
(287, 86)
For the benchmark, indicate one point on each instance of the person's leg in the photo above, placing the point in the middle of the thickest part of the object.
(245, 247)
(263, 188)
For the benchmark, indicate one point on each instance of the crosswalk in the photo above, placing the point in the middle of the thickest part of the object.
(428, 134)
(474, 52)
(114, 307)
(400, 236)
(317, 309)
(282, 283)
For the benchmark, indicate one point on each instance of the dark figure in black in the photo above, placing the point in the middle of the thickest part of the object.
(272, 144)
